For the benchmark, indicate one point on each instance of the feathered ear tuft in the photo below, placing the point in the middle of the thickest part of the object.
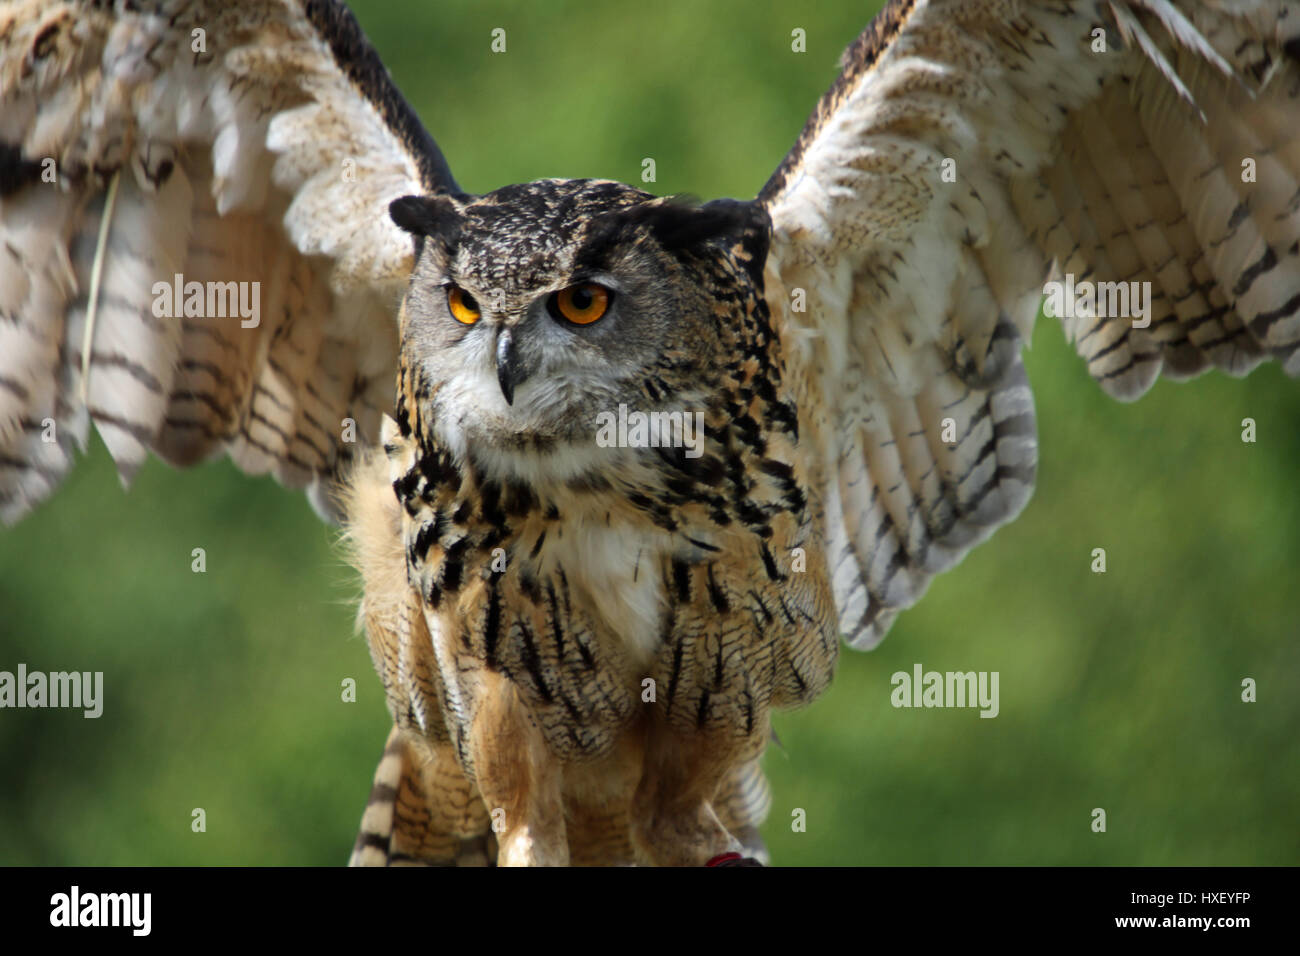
(680, 226)
(424, 217)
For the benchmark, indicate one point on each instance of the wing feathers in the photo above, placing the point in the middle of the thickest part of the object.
(969, 152)
(255, 158)
(134, 353)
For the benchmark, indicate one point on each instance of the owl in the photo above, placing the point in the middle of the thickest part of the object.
(619, 472)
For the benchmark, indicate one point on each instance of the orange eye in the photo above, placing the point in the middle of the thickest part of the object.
(581, 304)
(463, 307)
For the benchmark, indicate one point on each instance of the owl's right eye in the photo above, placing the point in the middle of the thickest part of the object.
(463, 306)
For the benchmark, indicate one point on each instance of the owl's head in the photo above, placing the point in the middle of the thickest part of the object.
(536, 309)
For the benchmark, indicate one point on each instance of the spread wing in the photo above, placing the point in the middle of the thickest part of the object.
(972, 152)
(195, 246)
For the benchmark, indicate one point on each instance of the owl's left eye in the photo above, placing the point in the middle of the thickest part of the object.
(580, 304)
(463, 306)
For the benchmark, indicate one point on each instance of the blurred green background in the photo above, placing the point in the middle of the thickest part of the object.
(1118, 690)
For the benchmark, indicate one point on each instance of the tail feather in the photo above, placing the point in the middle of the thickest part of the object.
(422, 812)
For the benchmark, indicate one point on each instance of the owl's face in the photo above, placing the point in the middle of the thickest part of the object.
(534, 309)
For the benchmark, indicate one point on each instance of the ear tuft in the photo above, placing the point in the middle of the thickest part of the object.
(682, 227)
(678, 227)
(424, 215)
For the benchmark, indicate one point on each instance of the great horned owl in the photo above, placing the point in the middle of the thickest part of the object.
(647, 460)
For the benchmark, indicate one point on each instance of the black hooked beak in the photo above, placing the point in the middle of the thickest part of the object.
(510, 372)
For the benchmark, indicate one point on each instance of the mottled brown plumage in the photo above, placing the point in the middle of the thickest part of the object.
(535, 646)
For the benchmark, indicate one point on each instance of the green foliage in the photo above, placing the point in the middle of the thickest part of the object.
(1118, 690)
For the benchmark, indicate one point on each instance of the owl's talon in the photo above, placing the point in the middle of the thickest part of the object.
(733, 859)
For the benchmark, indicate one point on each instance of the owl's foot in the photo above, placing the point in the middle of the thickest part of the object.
(672, 815)
(518, 778)
(733, 859)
